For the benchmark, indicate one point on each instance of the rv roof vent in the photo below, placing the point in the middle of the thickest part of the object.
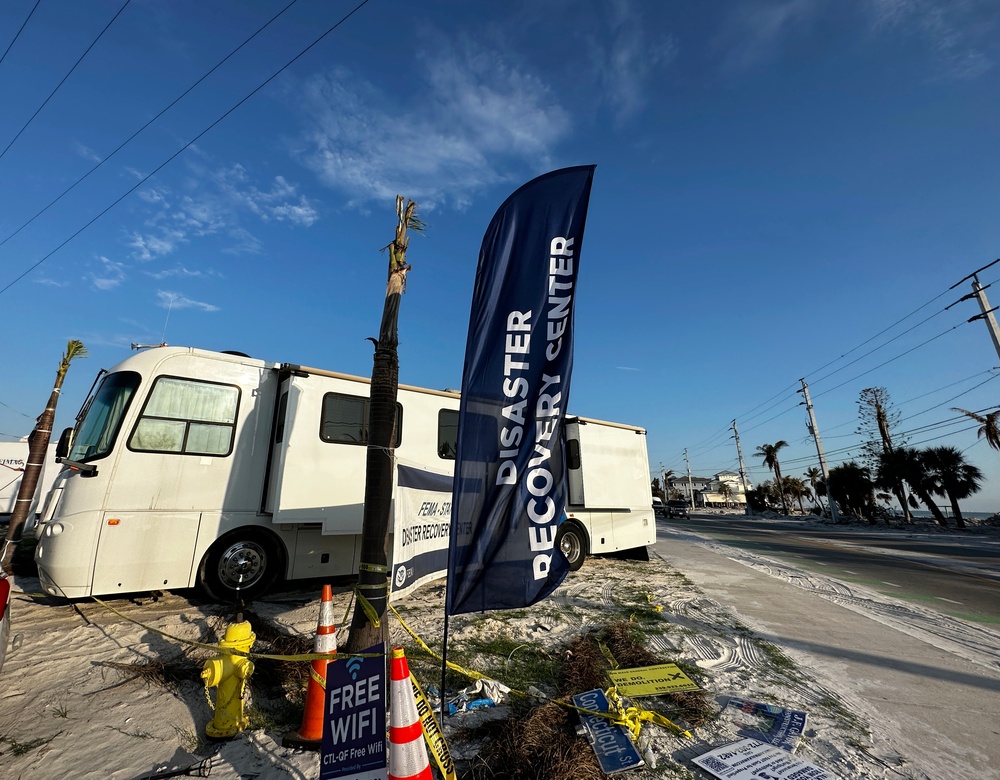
(234, 352)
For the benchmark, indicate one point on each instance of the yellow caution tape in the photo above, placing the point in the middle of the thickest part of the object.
(233, 651)
(433, 735)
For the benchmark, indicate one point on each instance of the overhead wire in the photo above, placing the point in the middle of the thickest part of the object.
(132, 137)
(63, 81)
(19, 31)
(187, 145)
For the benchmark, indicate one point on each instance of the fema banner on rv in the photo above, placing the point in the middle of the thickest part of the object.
(509, 487)
(420, 529)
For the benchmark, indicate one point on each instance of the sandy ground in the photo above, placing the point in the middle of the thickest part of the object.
(65, 713)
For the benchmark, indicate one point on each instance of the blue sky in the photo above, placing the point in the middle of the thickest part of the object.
(777, 182)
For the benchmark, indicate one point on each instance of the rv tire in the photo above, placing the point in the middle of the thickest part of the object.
(241, 565)
(572, 542)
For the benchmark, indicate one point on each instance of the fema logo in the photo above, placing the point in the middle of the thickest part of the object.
(400, 576)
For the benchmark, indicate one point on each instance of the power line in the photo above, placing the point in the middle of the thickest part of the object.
(922, 395)
(876, 349)
(190, 143)
(19, 31)
(886, 362)
(45, 102)
(128, 140)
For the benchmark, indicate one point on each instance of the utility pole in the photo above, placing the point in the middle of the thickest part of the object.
(690, 486)
(986, 313)
(814, 430)
(743, 471)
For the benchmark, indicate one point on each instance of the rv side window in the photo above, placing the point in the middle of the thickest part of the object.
(345, 420)
(188, 417)
(447, 434)
(279, 430)
(573, 454)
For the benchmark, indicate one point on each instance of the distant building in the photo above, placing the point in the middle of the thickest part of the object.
(708, 491)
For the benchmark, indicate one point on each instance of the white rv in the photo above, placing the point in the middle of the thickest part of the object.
(13, 456)
(194, 468)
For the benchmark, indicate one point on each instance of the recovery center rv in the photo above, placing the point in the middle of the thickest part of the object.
(194, 468)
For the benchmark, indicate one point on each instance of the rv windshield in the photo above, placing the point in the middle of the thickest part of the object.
(98, 429)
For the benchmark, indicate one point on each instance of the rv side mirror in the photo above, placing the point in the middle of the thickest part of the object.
(65, 442)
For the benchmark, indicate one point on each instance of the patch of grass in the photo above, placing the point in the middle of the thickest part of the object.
(60, 711)
(137, 734)
(514, 663)
(20, 748)
(190, 740)
(780, 663)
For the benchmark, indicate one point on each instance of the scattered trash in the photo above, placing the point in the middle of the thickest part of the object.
(751, 759)
(479, 695)
(651, 680)
(612, 743)
(775, 725)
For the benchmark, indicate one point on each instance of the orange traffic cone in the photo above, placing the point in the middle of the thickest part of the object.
(407, 754)
(310, 733)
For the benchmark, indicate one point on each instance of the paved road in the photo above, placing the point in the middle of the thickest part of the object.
(928, 683)
(953, 573)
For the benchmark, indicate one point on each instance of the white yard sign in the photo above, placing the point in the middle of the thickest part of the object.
(751, 759)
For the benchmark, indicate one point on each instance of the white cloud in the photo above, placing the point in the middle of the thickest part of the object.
(149, 246)
(110, 276)
(181, 271)
(172, 300)
(479, 117)
(628, 56)
(957, 31)
(755, 31)
(281, 202)
(87, 153)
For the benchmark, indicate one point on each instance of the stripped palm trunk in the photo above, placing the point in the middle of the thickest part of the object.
(368, 621)
(38, 443)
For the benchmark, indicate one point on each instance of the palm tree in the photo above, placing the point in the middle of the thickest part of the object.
(726, 492)
(957, 478)
(38, 442)
(921, 479)
(852, 487)
(893, 467)
(814, 476)
(796, 488)
(366, 631)
(989, 425)
(769, 452)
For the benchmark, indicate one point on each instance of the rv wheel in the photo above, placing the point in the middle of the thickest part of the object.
(243, 564)
(572, 542)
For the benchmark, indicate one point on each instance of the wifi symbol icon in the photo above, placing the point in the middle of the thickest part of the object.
(354, 666)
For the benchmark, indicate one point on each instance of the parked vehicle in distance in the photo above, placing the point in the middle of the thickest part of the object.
(658, 507)
(677, 507)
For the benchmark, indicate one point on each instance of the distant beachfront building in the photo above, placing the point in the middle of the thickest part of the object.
(707, 491)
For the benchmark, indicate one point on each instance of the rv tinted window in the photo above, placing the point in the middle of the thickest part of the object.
(447, 434)
(99, 426)
(187, 417)
(345, 420)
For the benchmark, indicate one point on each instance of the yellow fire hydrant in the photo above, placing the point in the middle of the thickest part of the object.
(229, 673)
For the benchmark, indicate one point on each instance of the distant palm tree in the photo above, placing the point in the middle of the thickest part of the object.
(989, 425)
(851, 486)
(769, 452)
(957, 478)
(796, 488)
(726, 492)
(815, 478)
(923, 480)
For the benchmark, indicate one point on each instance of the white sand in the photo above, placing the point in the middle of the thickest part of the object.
(64, 715)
